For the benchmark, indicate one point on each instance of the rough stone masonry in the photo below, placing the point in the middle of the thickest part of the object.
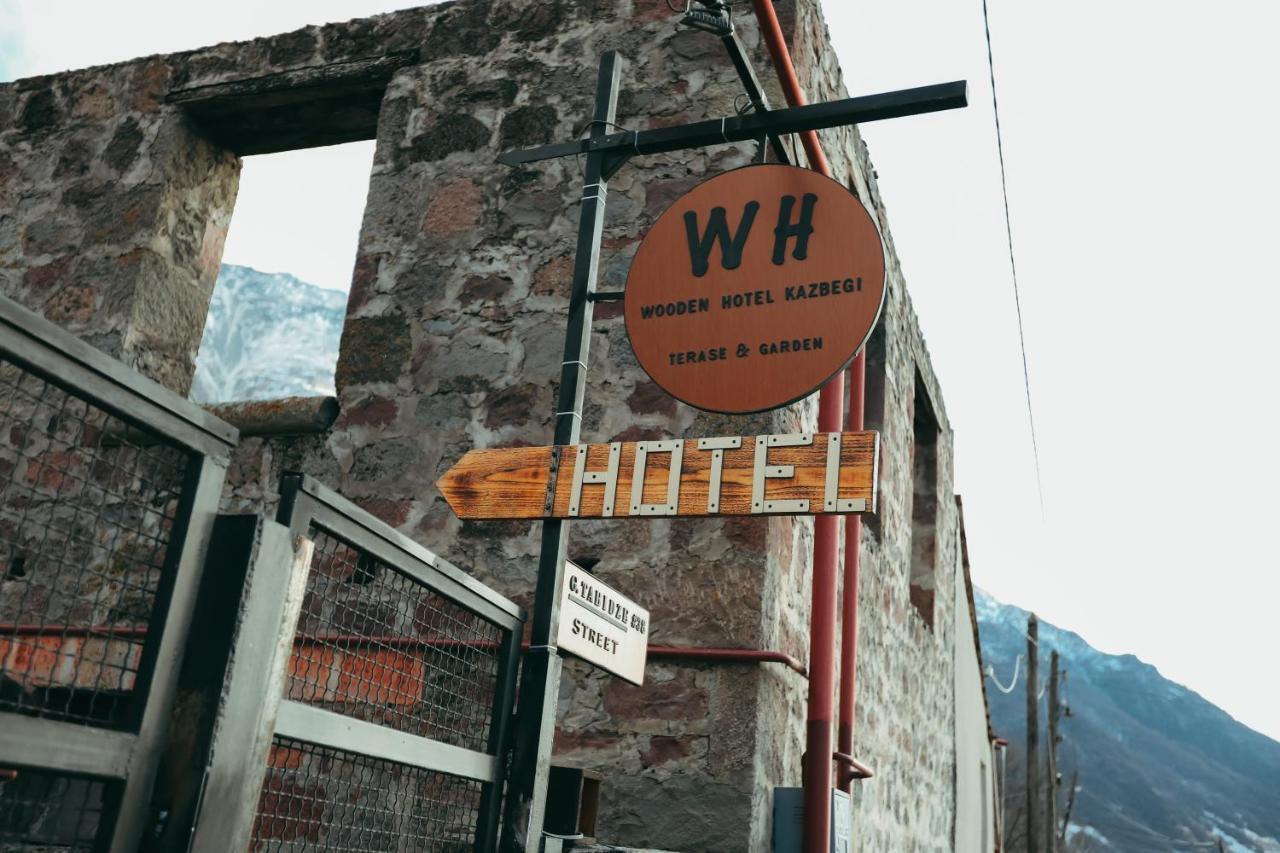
(117, 185)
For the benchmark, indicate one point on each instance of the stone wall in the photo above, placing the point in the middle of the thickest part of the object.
(113, 212)
(118, 186)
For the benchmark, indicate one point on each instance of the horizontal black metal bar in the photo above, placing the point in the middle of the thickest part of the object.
(607, 296)
(905, 102)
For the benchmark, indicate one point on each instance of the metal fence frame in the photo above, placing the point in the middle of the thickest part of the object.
(126, 758)
(254, 709)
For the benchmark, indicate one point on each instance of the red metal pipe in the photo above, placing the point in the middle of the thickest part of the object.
(398, 641)
(133, 633)
(733, 655)
(849, 606)
(819, 746)
(776, 42)
(37, 630)
(852, 768)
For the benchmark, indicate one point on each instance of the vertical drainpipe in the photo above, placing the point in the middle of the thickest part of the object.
(849, 613)
(819, 745)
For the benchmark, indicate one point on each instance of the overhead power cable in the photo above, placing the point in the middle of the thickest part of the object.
(991, 673)
(1013, 267)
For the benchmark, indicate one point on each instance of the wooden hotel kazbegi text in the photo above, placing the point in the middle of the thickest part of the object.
(796, 474)
(755, 288)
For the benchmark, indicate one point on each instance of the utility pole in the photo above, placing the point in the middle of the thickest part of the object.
(1033, 735)
(1071, 801)
(1051, 787)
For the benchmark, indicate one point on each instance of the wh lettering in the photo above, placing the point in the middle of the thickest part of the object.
(701, 243)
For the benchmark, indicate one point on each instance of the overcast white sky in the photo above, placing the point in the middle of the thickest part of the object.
(1140, 142)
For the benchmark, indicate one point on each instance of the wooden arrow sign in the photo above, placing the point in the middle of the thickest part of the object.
(799, 474)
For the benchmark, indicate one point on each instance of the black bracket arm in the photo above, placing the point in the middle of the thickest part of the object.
(751, 85)
(749, 127)
(716, 19)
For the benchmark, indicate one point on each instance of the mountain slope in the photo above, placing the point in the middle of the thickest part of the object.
(1160, 767)
(267, 335)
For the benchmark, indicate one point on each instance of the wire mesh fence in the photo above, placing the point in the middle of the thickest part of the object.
(109, 484)
(316, 798)
(424, 658)
(87, 507)
(375, 644)
(356, 694)
(42, 811)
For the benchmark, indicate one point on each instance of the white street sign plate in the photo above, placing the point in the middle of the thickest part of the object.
(602, 626)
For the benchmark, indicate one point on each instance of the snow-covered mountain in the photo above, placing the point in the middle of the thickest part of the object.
(1160, 767)
(268, 335)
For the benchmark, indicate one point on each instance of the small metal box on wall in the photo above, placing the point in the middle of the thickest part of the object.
(788, 821)
(573, 802)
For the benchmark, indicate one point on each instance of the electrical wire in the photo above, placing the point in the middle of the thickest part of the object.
(991, 673)
(1013, 268)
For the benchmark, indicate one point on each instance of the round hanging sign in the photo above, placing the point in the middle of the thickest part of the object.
(755, 288)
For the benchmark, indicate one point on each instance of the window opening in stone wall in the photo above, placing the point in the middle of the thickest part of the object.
(276, 315)
(873, 385)
(924, 502)
(873, 405)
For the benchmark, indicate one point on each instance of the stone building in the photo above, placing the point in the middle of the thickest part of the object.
(117, 185)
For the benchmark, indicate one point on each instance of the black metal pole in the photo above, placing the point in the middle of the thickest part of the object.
(754, 91)
(1033, 735)
(540, 681)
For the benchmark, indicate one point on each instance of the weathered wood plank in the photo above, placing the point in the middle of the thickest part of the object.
(499, 483)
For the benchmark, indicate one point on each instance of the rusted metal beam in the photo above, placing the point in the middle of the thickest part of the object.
(286, 416)
(851, 768)
(718, 655)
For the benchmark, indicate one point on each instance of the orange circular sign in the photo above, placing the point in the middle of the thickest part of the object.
(755, 288)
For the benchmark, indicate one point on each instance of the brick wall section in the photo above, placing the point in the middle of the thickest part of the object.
(453, 339)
